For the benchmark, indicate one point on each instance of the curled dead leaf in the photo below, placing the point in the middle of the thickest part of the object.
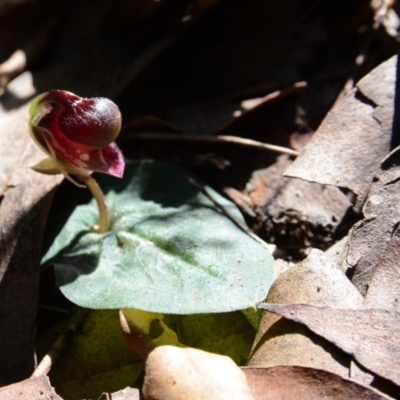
(373, 241)
(371, 335)
(354, 137)
(280, 341)
(384, 290)
(292, 382)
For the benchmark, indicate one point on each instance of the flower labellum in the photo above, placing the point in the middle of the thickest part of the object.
(77, 133)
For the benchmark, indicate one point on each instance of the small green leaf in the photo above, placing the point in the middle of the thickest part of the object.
(47, 166)
(170, 249)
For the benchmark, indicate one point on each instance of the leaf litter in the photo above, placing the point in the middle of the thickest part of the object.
(346, 153)
(368, 330)
(355, 136)
(303, 383)
(315, 280)
(369, 334)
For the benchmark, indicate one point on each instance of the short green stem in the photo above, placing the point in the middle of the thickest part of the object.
(104, 219)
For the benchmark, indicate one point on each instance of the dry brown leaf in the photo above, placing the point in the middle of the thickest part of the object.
(291, 382)
(371, 335)
(360, 374)
(23, 211)
(384, 290)
(354, 137)
(125, 394)
(371, 237)
(348, 149)
(279, 341)
(337, 253)
(174, 373)
(30, 389)
(12, 147)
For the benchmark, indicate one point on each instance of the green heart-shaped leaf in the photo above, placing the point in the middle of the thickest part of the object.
(169, 250)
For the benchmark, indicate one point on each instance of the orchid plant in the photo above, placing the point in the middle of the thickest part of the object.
(167, 248)
(157, 241)
(78, 135)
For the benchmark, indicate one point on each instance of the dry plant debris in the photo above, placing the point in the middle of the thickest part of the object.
(125, 394)
(298, 214)
(369, 334)
(25, 201)
(280, 341)
(354, 138)
(367, 328)
(303, 383)
(32, 388)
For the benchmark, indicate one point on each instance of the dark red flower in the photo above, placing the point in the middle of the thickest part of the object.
(77, 133)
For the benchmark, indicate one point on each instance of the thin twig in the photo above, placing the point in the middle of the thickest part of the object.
(250, 104)
(210, 138)
(51, 356)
